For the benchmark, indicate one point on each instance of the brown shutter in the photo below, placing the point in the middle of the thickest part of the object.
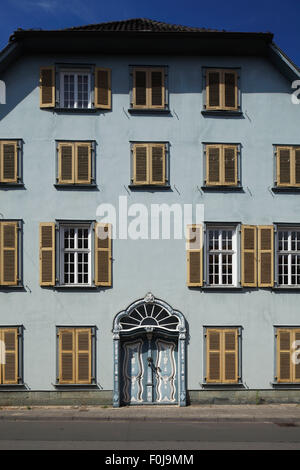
(213, 88)
(297, 166)
(140, 164)
(213, 356)
(265, 255)
(66, 167)
(230, 356)
(140, 89)
(284, 340)
(213, 164)
(67, 356)
(157, 88)
(103, 254)
(47, 254)
(230, 165)
(83, 356)
(230, 90)
(10, 368)
(284, 166)
(8, 162)
(295, 348)
(249, 260)
(157, 165)
(194, 255)
(9, 253)
(47, 87)
(83, 163)
(102, 88)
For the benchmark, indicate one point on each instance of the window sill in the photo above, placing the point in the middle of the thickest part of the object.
(148, 111)
(156, 187)
(92, 288)
(76, 110)
(217, 188)
(12, 386)
(286, 288)
(286, 385)
(222, 288)
(11, 185)
(76, 186)
(221, 112)
(18, 287)
(77, 386)
(286, 189)
(223, 385)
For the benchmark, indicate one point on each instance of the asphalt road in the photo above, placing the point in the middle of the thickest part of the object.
(120, 435)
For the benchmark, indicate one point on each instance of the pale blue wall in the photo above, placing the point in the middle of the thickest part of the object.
(142, 266)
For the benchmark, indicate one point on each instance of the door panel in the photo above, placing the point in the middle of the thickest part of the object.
(165, 372)
(133, 372)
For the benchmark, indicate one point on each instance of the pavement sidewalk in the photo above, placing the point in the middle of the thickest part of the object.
(285, 414)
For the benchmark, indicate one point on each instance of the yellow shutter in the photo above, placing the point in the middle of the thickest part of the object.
(102, 88)
(157, 164)
(213, 356)
(47, 87)
(47, 254)
(230, 355)
(194, 255)
(249, 259)
(140, 88)
(83, 356)
(265, 255)
(295, 347)
(140, 164)
(83, 163)
(157, 89)
(9, 253)
(284, 166)
(103, 254)
(213, 89)
(284, 369)
(296, 166)
(229, 165)
(229, 90)
(67, 359)
(213, 164)
(8, 162)
(10, 369)
(66, 166)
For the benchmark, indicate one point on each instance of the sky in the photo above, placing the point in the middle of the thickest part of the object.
(281, 17)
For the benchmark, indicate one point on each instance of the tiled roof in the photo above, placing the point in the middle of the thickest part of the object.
(137, 24)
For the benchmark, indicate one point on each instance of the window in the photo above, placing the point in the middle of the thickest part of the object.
(149, 88)
(75, 254)
(11, 370)
(76, 87)
(287, 348)
(287, 166)
(149, 164)
(221, 89)
(76, 163)
(76, 355)
(10, 162)
(222, 355)
(288, 256)
(222, 165)
(10, 270)
(221, 256)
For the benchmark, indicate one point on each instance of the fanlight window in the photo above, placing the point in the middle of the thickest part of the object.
(149, 315)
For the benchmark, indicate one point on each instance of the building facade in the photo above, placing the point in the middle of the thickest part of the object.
(148, 119)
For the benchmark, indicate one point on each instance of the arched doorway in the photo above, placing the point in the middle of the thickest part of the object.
(149, 354)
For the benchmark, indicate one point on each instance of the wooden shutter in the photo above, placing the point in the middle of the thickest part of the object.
(213, 89)
(284, 370)
(230, 356)
(213, 165)
(8, 162)
(194, 255)
(83, 356)
(47, 87)
(213, 356)
(157, 89)
(102, 88)
(103, 254)
(265, 255)
(9, 253)
(140, 164)
(296, 367)
(284, 166)
(67, 364)
(140, 88)
(10, 369)
(66, 166)
(229, 79)
(83, 163)
(297, 166)
(249, 259)
(157, 164)
(230, 165)
(47, 254)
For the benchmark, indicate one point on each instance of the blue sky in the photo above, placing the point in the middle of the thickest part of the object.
(278, 16)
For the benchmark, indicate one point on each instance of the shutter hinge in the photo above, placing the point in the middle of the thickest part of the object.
(275, 377)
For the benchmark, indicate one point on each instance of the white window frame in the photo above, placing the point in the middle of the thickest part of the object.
(289, 253)
(75, 72)
(77, 250)
(221, 252)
